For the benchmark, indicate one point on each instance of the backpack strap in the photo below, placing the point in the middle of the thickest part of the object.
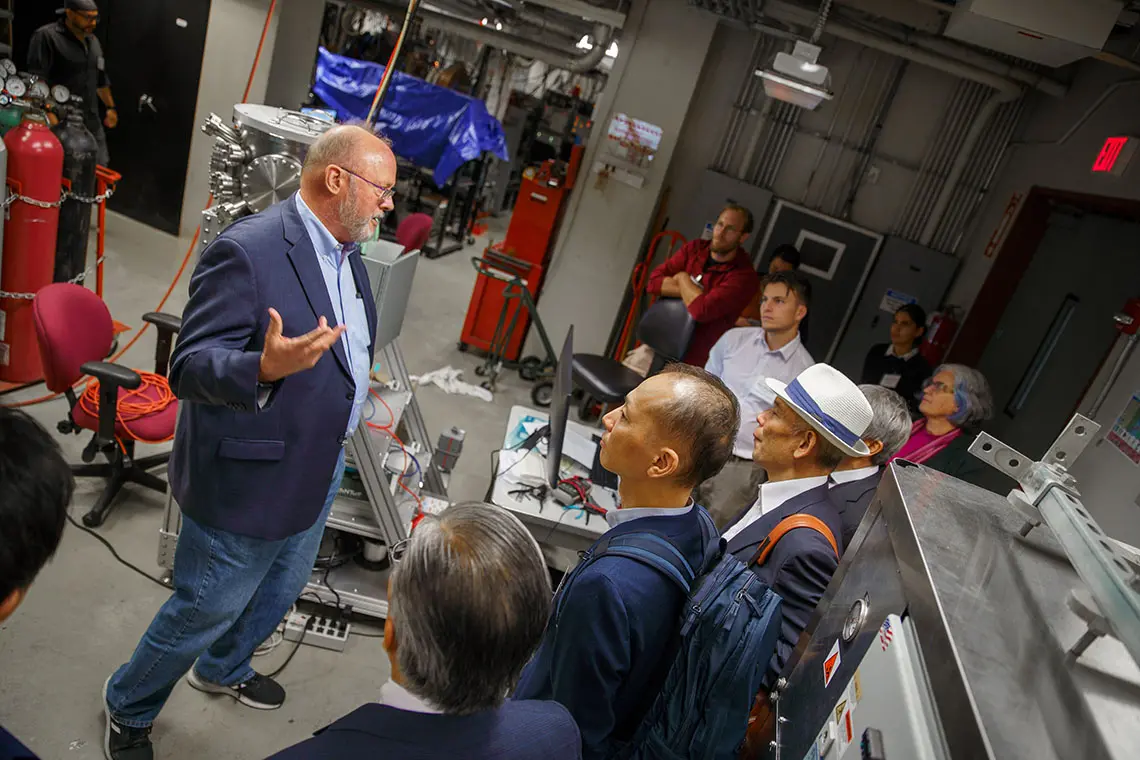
(653, 550)
(789, 524)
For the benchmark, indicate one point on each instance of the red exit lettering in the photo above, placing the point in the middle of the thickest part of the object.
(1109, 153)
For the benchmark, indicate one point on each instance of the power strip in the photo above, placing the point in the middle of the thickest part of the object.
(324, 632)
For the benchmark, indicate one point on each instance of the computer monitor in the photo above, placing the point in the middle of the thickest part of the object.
(560, 408)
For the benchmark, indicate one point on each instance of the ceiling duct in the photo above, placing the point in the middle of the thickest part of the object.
(1050, 32)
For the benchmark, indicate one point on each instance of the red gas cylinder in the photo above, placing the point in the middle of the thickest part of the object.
(35, 172)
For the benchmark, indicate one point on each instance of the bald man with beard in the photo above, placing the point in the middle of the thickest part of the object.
(271, 369)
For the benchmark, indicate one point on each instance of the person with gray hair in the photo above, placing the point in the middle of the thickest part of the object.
(468, 600)
(607, 647)
(956, 400)
(854, 481)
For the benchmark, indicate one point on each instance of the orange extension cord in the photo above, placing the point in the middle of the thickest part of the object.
(185, 259)
(133, 405)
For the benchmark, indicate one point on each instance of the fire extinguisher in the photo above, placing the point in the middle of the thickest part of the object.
(35, 177)
(940, 333)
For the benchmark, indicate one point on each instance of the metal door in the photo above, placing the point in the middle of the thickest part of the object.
(836, 257)
(1058, 328)
(905, 273)
(154, 60)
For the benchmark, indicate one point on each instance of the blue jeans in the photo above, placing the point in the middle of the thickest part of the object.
(230, 592)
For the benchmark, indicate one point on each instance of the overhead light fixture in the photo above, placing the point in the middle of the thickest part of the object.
(584, 43)
(797, 78)
(498, 26)
(612, 50)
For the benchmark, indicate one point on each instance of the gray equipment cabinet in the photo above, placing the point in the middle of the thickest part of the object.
(385, 513)
(967, 626)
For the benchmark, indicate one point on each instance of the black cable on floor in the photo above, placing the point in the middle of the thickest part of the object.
(115, 554)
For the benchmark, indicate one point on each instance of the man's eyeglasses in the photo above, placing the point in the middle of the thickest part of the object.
(382, 193)
(398, 549)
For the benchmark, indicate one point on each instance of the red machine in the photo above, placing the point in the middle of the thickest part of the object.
(524, 254)
(35, 172)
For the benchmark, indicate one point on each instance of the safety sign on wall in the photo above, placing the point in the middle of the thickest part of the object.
(1125, 433)
(893, 300)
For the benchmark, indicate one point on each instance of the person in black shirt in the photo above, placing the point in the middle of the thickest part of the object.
(67, 52)
(898, 365)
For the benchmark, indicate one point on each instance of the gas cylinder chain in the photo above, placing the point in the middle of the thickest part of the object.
(64, 196)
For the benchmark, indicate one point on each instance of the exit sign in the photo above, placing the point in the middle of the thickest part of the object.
(1114, 155)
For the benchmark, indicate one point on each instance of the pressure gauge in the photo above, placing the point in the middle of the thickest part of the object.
(15, 87)
(39, 90)
(7, 68)
(60, 94)
(855, 619)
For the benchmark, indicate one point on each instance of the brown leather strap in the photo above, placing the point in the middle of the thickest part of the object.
(789, 524)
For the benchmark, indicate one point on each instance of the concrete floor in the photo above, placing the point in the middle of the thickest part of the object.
(85, 612)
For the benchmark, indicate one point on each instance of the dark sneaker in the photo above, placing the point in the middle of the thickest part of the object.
(123, 742)
(260, 692)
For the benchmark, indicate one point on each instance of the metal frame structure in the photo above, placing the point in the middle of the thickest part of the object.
(1025, 642)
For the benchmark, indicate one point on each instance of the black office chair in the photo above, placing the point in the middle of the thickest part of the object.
(667, 328)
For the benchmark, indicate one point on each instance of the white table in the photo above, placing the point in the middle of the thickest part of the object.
(561, 533)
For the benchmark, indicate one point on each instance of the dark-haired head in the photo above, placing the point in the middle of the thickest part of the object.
(675, 430)
(786, 258)
(908, 327)
(35, 489)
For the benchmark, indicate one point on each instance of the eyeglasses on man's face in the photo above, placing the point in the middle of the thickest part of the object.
(382, 193)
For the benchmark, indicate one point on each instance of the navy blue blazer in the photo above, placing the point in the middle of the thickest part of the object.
(265, 472)
(516, 731)
(607, 655)
(852, 500)
(798, 568)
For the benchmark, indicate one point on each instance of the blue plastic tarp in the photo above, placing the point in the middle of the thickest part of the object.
(431, 126)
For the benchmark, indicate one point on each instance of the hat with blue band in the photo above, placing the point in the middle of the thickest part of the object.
(833, 405)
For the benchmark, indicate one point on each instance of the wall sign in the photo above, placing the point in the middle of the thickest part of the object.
(1125, 433)
(1114, 155)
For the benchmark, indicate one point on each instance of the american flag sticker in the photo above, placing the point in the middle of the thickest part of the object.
(886, 633)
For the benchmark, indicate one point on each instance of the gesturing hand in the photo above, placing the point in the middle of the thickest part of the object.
(283, 356)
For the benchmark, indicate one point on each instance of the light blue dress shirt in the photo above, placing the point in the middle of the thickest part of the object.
(743, 361)
(348, 308)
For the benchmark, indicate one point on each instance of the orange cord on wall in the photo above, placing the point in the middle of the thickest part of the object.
(133, 404)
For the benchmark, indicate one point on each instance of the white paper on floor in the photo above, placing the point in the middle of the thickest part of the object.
(450, 380)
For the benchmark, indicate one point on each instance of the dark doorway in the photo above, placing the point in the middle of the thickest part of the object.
(153, 53)
(154, 59)
(1042, 325)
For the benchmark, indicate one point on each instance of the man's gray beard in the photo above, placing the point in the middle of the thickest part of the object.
(358, 226)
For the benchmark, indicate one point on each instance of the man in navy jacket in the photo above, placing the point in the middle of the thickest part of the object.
(272, 366)
(817, 419)
(457, 643)
(606, 654)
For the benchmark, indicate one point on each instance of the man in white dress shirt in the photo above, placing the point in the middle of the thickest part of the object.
(744, 359)
(855, 480)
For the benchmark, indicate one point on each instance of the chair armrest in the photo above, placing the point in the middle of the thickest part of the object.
(112, 374)
(163, 321)
(168, 326)
(111, 378)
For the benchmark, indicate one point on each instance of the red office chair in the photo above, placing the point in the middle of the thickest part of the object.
(74, 329)
(414, 232)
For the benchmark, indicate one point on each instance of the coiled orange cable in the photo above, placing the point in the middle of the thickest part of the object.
(133, 404)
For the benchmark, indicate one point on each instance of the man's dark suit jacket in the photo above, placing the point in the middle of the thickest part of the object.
(259, 472)
(607, 653)
(852, 500)
(516, 731)
(798, 568)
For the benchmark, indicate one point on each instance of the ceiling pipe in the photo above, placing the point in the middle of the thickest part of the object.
(1033, 79)
(583, 10)
(559, 58)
